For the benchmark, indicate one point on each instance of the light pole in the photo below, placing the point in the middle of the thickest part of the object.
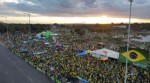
(29, 22)
(6, 26)
(128, 43)
(29, 32)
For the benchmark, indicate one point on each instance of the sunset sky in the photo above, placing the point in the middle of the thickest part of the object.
(74, 11)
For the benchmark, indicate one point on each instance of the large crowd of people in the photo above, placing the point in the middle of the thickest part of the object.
(61, 63)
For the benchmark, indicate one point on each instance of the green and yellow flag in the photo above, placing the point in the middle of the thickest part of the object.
(47, 34)
(136, 56)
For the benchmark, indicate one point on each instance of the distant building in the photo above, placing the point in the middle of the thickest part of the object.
(120, 26)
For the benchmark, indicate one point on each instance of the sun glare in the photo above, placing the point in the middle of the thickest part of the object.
(104, 16)
(104, 19)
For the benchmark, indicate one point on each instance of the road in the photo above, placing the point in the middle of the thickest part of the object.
(15, 70)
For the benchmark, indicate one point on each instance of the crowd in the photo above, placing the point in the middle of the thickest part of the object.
(61, 63)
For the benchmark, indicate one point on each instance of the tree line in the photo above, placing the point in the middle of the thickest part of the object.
(24, 28)
(79, 28)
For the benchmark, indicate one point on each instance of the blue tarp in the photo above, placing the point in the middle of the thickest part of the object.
(82, 80)
(39, 36)
(82, 52)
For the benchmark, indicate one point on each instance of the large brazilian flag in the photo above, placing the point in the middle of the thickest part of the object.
(136, 56)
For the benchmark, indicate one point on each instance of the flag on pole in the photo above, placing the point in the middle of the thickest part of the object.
(136, 56)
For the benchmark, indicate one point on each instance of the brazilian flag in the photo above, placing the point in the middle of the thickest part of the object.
(136, 56)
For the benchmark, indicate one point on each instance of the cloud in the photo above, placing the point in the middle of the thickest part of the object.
(140, 2)
(79, 8)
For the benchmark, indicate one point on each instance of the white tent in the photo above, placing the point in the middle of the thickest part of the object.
(105, 53)
(46, 43)
(54, 34)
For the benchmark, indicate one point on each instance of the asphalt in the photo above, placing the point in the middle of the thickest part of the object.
(15, 70)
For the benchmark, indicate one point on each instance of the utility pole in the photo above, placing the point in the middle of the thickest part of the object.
(29, 32)
(29, 22)
(128, 43)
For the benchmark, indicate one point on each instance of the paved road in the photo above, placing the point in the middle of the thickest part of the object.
(15, 70)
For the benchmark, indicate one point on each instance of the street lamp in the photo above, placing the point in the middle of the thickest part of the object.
(29, 30)
(6, 26)
(29, 22)
(128, 43)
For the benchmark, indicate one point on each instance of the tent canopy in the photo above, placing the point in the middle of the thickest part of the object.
(45, 34)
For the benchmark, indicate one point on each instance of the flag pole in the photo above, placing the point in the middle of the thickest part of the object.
(128, 43)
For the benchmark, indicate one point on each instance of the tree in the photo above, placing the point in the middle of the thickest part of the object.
(2, 27)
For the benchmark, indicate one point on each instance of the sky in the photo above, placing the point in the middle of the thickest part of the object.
(74, 11)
